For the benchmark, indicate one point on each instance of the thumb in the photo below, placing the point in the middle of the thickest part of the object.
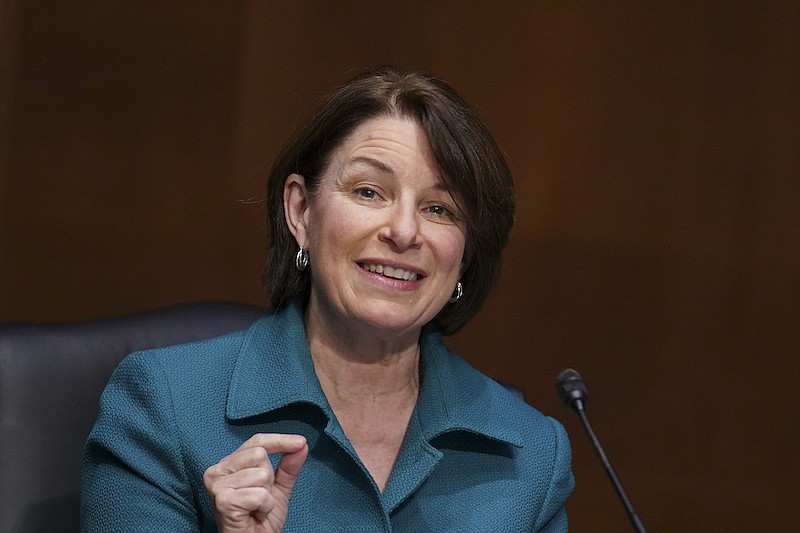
(289, 469)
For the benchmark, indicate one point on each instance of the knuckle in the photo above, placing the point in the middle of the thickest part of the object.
(225, 499)
(264, 477)
(260, 454)
(210, 475)
(259, 439)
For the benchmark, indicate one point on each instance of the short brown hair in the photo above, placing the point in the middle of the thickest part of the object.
(473, 167)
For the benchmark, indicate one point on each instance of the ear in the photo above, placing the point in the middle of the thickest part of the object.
(296, 201)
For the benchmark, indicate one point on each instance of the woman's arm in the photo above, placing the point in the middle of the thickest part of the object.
(134, 476)
(553, 516)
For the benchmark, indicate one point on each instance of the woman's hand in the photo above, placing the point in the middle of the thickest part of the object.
(248, 496)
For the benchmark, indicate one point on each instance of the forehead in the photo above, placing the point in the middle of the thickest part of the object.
(388, 137)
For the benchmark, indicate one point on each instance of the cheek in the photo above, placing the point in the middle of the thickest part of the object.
(343, 230)
(336, 231)
(450, 250)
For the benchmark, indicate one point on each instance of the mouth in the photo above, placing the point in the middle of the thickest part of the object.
(390, 272)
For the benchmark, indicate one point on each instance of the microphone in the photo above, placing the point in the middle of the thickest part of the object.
(572, 391)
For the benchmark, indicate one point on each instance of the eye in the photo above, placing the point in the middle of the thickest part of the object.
(444, 213)
(367, 193)
(439, 210)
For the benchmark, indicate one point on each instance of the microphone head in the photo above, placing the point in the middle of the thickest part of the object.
(571, 389)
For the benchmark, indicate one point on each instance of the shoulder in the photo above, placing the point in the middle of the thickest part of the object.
(476, 400)
(542, 451)
(197, 357)
(505, 428)
(185, 357)
(180, 374)
(505, 408)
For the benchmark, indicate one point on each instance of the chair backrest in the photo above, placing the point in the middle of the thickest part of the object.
(51, 378)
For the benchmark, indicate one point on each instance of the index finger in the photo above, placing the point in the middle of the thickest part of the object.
(275, 442)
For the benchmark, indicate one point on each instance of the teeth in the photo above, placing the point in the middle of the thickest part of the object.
(389, 272)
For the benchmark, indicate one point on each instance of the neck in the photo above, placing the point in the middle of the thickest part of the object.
(353, 366)
(371, 382)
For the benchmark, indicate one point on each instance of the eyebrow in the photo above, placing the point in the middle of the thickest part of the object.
(383, 167)
(371, 161)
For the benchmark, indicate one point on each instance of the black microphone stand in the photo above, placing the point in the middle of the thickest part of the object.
(572, 391)
(636, 522)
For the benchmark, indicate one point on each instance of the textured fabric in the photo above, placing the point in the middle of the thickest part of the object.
(475, 458)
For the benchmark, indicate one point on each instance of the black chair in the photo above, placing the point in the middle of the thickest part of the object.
(51, 378)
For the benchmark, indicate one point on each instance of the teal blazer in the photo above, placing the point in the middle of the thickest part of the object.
(475, 458)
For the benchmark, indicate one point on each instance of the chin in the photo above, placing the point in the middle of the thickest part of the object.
(392, 318)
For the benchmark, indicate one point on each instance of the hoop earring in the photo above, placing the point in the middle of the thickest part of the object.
(301, 259)
(457, 294)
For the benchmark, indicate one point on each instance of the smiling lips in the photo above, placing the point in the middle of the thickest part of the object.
(390, 272)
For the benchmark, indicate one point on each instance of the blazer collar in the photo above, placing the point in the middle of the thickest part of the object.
(456, 397)
(274, 369)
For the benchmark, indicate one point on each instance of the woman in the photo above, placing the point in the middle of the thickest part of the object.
(343, 410)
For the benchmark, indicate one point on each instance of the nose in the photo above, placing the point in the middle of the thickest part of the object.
(401, 228)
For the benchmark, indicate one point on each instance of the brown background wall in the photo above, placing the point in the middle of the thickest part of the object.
(655, 147)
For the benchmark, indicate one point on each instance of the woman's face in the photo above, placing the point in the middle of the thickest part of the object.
(384, 235)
